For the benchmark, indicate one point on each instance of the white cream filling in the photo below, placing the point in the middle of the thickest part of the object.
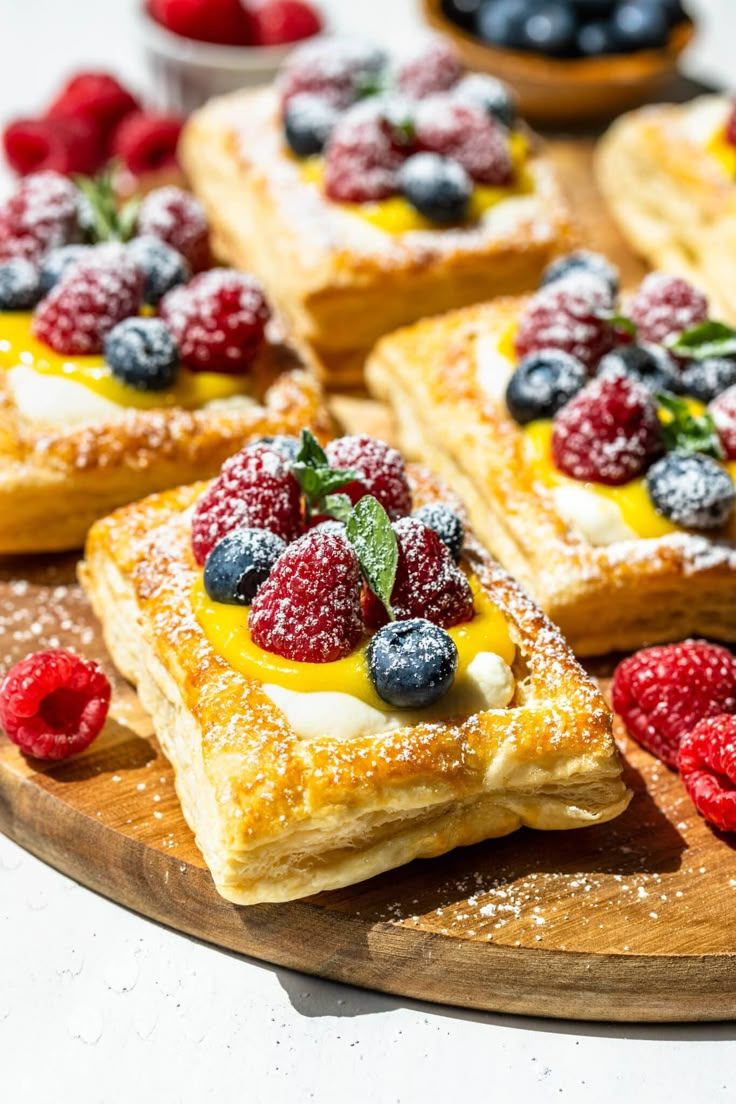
(42, 398)
(487, 683)
(493, 370)
(704, 118)
(598, 520)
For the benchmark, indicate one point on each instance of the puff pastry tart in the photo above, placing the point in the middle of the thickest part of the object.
(341, 700)
(669, 175)
(362, 214)
(595, 451)
(120, 372)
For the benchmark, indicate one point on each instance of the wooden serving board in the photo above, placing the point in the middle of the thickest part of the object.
(626, 921)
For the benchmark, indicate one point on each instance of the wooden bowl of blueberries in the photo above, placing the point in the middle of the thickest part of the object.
(569, 60)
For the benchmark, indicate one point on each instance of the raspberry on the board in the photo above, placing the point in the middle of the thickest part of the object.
(707, 763)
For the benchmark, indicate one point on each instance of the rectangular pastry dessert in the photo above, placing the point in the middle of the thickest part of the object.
(339, 699)
(596, 466)
(425, 194)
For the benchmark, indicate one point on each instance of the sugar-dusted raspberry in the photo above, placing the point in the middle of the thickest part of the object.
(434, 67)
(69, 146)
(707, 763)
(723, 412)
(54, 704)
(146, 141)
(428, 584)
(465, 133)
(42, 214)
(93, 295)
(608, 433)
(362, 157)
(568, 315)
(382, 470)
(662, 693)
(218, 320)
(97, 97)
(278, 21)
(334, 68)
(178, 219)
(255, 490)
(308, 609)
(666, 305)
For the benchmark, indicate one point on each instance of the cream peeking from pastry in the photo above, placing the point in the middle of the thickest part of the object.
(341, 677)
(366, 192)
(126, 365)
(593, 443)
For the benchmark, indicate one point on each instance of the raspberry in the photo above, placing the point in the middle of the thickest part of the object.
(178, 219)
(93, 295)
(608, 433)
(362, 157)
(707, 762)
(279, 21)
(566, 315)
(333, 68)
(467, 134)
(731, 127)
(435, 67)
(381, 468)
(256, 490)
(428, 584)
(42, 213)
(146, 142)
(98, 98)
(662, 693)
(218, 320)
(666, 305)
(308, 609)
(223, 21)
(66, 146)
(723, 411)
(54, 704)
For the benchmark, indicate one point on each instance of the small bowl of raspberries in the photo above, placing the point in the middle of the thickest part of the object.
(197, 49)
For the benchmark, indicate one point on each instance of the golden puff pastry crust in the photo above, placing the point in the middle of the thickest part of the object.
(339, 281)
(278, 816)
(55, 480)
(605, 598)
(672, 197)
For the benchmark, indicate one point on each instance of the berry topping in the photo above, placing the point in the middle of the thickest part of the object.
(542, 384)
(239, 563)
(707, 763)
(334, 68)
(223, 21)
(446, 524)
(286, 447)
(54, 704)
(178, 219)
(278, 21)
(465, 133)
(254, 490)
(362, 157)
(93, 295)
(650, 365)
(381, 468)
(309, 607)
(218, 320)
(723, 412)
(550, 30)
(664, 306)
(146, 142)
(427, 584)
(568, 315)
(438, 187)
(308, 123)
(662, 693)
(163, 268)
(57, 261)
(706, 379)
(142, 353)
(691, 490)
(493, 96)
(608, 433)
(70, 145)
(434, 67)
(412, 663)
(97, 98)
(20, 286)
(582, 260)
(42, 213)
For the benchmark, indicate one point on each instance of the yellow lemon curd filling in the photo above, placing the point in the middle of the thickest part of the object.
(723, 151)
(18, 346)
(397, 216)
(226, 628)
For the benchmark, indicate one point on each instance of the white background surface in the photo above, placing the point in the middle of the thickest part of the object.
(98, 1006)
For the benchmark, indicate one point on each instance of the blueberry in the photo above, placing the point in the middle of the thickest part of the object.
(462, 12)
(163, 268)
(597, 38)
(57, 261)
(551, 30)
(20, 285)
(648, 364)
(542, 384)
(705, 379)
(593, 9)
(691, 490)
(640, 26)
(142, 353)
(495, 97)
(287, 447)
(412, 663)
(582, 260)
(308, 123)
(438, 187)
(501, 23)
(239, 563)
(446, 524)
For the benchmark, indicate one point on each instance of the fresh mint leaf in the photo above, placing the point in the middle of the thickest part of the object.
(370, 532)
(621, 322)
(337, 506)
(313, 473)
(707, 339)
(682, 429)
(109, 221)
